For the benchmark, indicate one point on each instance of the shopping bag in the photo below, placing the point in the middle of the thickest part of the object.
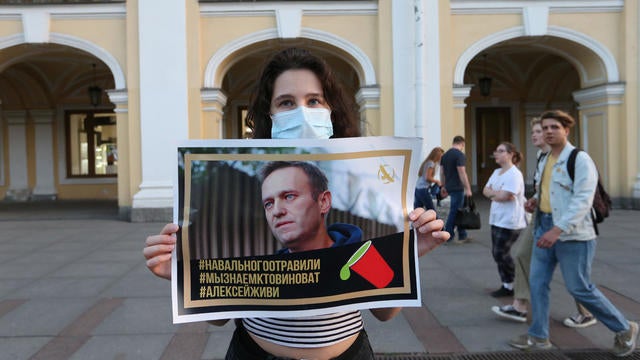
(467, 216)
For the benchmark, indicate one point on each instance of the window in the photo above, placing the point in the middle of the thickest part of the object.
(91, 144)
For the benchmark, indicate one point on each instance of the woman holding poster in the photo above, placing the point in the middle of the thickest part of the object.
(297, 96)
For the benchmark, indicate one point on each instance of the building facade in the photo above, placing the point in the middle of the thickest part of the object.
(95, 95)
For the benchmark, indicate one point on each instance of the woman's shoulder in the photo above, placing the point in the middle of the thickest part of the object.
(515, 172)
(514, 177)
(494, 175)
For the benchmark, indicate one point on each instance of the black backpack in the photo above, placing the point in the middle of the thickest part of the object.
(601, 200)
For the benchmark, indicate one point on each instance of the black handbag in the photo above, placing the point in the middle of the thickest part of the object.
(467, 216)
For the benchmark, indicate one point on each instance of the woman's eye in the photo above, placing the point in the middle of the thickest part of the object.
(286, 103)
(316, 102)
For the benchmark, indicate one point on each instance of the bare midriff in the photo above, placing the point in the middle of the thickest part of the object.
(319, 353)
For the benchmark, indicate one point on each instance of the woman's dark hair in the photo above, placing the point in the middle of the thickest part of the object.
(343, 112)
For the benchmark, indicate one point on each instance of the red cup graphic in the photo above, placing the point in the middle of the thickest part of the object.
(368, 263)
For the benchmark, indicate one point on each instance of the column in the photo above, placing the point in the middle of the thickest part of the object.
(18, 173)
(599, 107)
(120, 98)
(428, 106)
(45, 188)
(213, 101)
(163, 99)
(460, 94)
(404, 58)
(368, 100)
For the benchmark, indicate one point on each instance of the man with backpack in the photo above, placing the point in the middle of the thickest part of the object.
(564, 235)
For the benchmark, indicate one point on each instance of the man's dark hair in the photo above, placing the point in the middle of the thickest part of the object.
(458, 139)
(564, 118)
(317, 179)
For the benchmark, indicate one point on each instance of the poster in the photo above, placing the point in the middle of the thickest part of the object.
(228, 263)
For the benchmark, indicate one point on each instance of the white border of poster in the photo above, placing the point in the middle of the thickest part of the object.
(370, 178)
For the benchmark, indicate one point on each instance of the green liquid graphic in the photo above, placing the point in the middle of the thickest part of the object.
(345, 272)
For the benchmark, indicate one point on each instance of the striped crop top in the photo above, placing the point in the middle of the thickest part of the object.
(306, 332)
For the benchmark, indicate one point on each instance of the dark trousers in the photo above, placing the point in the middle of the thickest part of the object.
(501, 241)
(422, 198)
(242, 347)
(457, 200)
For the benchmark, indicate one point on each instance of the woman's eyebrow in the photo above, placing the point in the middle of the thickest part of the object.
(283, 96)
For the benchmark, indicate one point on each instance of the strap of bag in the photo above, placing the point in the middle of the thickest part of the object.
(468, 202)
(571, 163)
(541, 156)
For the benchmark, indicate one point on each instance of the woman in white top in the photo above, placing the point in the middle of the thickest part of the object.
(505, 189)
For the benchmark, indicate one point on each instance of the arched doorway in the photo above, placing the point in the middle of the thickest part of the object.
(59, 124)
(528, 75)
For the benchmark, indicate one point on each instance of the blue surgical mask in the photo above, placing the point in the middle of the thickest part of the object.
(302, 123)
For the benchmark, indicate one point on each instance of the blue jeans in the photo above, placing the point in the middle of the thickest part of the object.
(574, 258)
(422, 198)
(457, 200)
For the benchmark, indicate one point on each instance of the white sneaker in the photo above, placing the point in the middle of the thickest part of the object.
(579, 321)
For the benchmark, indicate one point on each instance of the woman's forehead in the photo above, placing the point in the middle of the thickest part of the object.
(297, 82)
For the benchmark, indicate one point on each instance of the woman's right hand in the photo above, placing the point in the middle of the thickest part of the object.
(157, 251)
(531, 205)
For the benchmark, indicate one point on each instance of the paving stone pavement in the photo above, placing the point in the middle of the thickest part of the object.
(73, 285)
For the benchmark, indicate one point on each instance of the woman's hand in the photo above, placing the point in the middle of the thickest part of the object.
(429, 230)
(531, 205)
(158, 250)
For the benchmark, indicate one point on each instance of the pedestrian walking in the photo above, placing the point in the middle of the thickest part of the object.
(564, 235)
(453, 176)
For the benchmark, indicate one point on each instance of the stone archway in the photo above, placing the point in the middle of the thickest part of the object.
(39, 84)
(587, 45)
(530, 74)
